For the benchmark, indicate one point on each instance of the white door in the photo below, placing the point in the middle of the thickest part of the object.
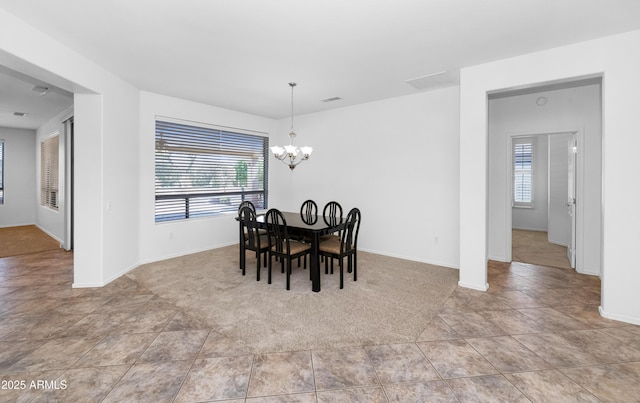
(572, 153)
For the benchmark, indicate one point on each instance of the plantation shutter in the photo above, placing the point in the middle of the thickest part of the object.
(49, 172)
(523, 163)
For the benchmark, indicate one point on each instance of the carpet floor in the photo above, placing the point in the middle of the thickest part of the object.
(25, 239)
(392, 301)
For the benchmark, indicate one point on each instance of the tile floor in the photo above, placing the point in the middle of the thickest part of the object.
(535, 336)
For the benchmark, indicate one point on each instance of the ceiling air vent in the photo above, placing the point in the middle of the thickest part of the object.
(433, 81)
(20, 114)
(331, 99)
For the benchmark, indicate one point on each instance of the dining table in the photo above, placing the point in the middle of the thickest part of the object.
(312, 227)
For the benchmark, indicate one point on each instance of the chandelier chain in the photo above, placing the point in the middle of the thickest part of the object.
(292, 85)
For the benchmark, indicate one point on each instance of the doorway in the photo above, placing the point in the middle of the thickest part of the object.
(543, 199)
(573, 106)
(50, 108)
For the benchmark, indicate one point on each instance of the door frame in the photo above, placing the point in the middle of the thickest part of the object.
(579, 132)
(68, 180)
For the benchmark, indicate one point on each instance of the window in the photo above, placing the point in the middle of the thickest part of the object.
(49, 172)
(523, 164)
(1, 171)
(206, 170)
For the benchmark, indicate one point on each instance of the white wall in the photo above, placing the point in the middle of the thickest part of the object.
(396, 160)
(617, 59)
(19, 177)
(164, 240)
(567, 109)
(106, 168)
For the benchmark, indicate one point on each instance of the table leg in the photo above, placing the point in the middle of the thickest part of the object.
(242, 252)
(315, 263)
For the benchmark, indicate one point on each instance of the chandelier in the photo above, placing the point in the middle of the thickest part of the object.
(291, 155)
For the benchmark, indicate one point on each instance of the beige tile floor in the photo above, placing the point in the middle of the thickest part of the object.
(535, 336)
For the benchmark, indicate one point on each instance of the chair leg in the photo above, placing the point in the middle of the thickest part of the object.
(258, 265)
(341, 273)
(242, 257)
(288, 273)
(269, 270)
(355, 266)
(326, 265)
(242, 260)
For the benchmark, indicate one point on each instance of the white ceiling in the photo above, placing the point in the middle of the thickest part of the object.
(20, 93)
(241, 54)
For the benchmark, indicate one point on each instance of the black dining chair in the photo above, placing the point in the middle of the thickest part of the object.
(309, 215)
(243, 204)
(246, 203)
(243, 236)
(309, 212)
(346, 245)
(254, 240)
(332, 213)
(281, 245)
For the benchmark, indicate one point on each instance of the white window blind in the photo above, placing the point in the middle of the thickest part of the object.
(523, 165)
(1, 171)
(49, 155)
(204, 171)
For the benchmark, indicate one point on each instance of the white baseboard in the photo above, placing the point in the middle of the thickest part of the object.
(474, 286)
(588, 273)
(112, 278)
(87, 285)
(448, 265)
(620, 318)
(50, 234)
(190, 252)
(529, 229)
(127, 270)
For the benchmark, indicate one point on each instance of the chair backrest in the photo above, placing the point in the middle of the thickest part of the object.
(309, 212)
(250, 225)
(246, 203)
(332, 213)
(349, 235)
(278, 234)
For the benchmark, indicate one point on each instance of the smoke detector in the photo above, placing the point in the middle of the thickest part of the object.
(40, 89)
